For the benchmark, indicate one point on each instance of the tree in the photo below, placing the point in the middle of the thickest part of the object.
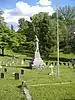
(68, 16)
(22, 25)
(1, 18)
(7, 36)
(67, 12)
(44, 28)
(3, 42)
(12, 28)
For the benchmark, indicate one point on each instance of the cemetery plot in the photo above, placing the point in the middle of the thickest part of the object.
(11, 81)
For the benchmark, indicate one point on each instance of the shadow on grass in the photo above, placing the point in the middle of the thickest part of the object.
(8, 56)
(20, 86)
(61, 59)
(27, 67)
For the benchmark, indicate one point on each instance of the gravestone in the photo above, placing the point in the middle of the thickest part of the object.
(24, 59)
(46, 63)
(22, 71)
(5, 69)
(52, 63)
(6, 64)
(52, 72)
(10, 64)
(73, 63)
(73, 66)
(68, 64)
(2, 75)
(22, 62)
(0, 66)
(13, 63)
(60, 63)
(16, 76)
(24, 84)
(64, 63)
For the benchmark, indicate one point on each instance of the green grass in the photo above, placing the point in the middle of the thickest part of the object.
(10, 91)
(63, 55)
(9, 86)
(54, 92)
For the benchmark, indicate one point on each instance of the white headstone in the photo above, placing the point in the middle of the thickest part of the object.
(51, 66)
(0, 66)
(22, 62)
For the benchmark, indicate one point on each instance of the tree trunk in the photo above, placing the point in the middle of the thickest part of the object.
(2, 51)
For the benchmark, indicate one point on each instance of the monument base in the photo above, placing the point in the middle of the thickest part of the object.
(37, 61)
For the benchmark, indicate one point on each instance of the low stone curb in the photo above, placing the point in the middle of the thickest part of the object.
(26, 91)
(51, 84)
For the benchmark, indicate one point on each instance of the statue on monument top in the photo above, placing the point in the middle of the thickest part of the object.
(36, 43)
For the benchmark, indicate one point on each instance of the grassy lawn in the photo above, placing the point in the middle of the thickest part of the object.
(9, 90)
(54, 92)
(9, 86)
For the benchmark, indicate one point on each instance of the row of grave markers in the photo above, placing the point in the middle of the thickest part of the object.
(16, 75)
(10, 63)
(60, 63)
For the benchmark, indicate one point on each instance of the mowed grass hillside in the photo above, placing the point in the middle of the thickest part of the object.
(9, 86)
(41, 85)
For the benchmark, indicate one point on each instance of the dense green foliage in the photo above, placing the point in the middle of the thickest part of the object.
(44, 26)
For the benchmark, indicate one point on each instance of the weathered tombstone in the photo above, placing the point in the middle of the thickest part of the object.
(22, 62)
(24, 84)
(16, 76)
(24, 59)
(13, 56)
(52, 63)
(5, 69)
(64, 63)
(22, 71)
(46, 62)
(73, 66)
(13, 62)
(2, 75)
(60, 63)
(68, 64)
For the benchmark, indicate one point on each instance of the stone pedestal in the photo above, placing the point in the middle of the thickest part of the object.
(38, 62)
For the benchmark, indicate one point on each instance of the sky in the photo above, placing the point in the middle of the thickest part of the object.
(16, 9)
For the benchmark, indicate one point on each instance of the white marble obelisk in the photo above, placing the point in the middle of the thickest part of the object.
(37, 61)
